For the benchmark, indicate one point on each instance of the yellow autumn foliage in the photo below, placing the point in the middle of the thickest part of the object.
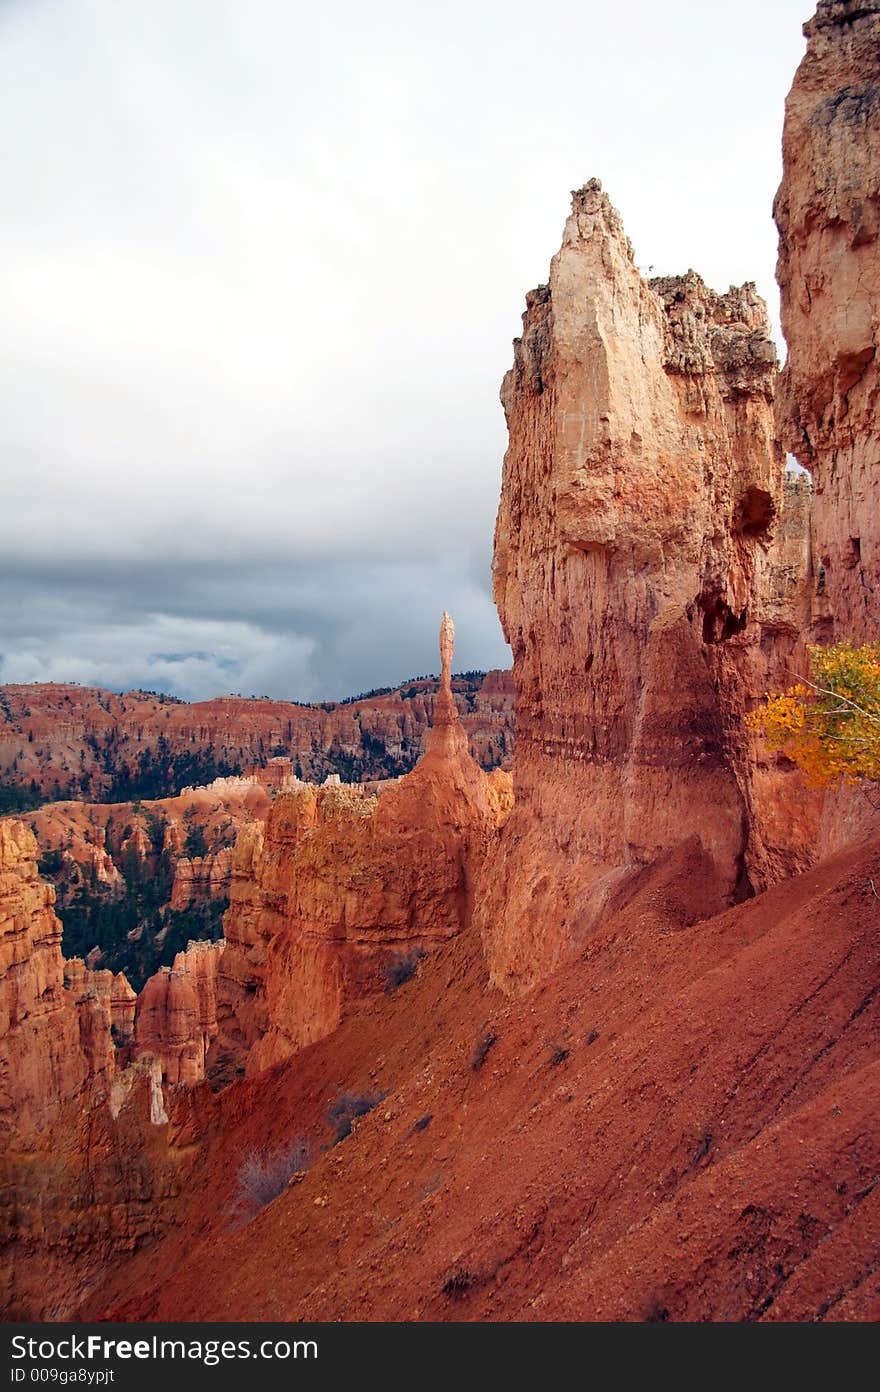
(829, 725)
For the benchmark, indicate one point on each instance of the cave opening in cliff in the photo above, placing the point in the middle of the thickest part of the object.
(755, 512)
(720, 622)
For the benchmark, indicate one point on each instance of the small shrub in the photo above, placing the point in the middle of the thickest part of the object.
(482, 1044)
(264, 1174)
(423, 1122)
(558, 1055)
(592, 1037)
(346, 1107)
(702, 1147)
(401, 968)
(655, 1311)
(458, 1283)
(829, 723)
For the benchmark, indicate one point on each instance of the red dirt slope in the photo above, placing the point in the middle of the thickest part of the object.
(679, 1124)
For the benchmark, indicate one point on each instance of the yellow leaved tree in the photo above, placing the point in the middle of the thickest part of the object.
(829, 724)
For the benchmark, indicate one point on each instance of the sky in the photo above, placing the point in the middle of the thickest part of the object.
(260, 269)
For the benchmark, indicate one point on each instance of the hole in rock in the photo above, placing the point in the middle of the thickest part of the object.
(720, 622)
(754, 512)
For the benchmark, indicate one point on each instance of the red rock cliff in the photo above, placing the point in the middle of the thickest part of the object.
(75, 741)
(828, 214)
(55, 1017)
(640, 589)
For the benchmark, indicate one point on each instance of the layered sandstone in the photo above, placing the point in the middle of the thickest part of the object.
(112, 989)
(634, 553)
(176, 1018)
(96, 845)
(198, 878)
(56, 1018)
(828, 214)
(341, 886)
(81, 742)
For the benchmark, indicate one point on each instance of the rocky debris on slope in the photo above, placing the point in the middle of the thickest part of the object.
(828, 214)
(642, 588)
(680, 1125)
(341, 891)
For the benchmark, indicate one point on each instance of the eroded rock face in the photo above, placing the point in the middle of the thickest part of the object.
(94, 845)
(199, 878)
(341, 887)
(261, 865)
(828, 214)
(113, 990)
(176, 1017)
(642, 490)
(55, 1016)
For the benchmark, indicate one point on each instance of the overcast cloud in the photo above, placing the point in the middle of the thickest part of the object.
(261, 266)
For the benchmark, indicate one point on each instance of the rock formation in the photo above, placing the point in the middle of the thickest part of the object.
(642, 488)
(96, 843)
(113, 991)
(680, 1123)
(81, 742)
(176, 1018)
(828, 214)
(341, 887)
(56, 1017)
(199, 878)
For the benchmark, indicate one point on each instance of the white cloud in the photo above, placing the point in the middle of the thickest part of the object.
(260, 270)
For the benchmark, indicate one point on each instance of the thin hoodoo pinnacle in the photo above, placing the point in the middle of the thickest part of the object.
(447, 648)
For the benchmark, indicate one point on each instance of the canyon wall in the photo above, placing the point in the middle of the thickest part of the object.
(136, 880)
(647, 575)
(828, 214)
(80, 742)
(67, 1032)
(827, 211)
(96, 1138)
(55, 1017)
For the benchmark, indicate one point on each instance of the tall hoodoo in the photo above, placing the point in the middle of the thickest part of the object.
(447, 650)
(828, 214)
(641, 487)
(339, 887)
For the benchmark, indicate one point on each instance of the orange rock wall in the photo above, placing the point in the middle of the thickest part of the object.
(646, 585)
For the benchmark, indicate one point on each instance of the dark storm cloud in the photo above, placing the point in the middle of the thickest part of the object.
(261, 268)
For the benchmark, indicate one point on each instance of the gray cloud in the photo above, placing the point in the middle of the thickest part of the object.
(260, 272)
